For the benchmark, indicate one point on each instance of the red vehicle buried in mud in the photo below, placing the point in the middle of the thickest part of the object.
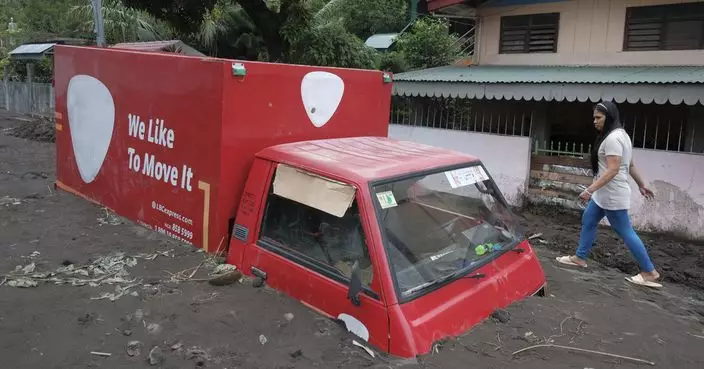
(406, 244)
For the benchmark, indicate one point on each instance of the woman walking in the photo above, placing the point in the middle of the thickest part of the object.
(610, 194)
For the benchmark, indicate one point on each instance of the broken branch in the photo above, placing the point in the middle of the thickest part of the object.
(587, 351)
(104, 354)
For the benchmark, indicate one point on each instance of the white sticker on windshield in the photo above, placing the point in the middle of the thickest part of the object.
(386, 199)
(466, 176)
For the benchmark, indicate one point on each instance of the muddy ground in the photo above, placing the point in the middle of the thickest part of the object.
(193, 324)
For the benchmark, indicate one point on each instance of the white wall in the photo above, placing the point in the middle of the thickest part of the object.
(678, 182)
(591, 32)
(506, 157)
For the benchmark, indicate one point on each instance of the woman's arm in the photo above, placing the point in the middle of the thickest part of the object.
(613, 163)
(636, 175)
(645, 191)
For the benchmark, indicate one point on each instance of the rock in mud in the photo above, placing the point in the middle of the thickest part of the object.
(501, 316)
(258, 282)
(153, 328)
(156, 357)
(176, 346)
(134, 348)
(226, 279)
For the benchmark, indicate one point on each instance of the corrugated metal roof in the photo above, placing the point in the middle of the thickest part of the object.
(147, 46)
(158, 46)
(556, 74)
(32, 49)
(381, 40)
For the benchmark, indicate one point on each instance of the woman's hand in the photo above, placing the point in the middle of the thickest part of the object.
(646, 192)
(585, 196)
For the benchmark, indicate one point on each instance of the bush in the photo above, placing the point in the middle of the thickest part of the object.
(429, 44)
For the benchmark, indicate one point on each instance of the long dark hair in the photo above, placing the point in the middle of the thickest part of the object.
(611, 122)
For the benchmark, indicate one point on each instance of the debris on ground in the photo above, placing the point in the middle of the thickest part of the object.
(134, 348)
(167, 254)
(632, 359)
(110, 270)
(224, 274)
(223, 268)
(226, 279)
(262, 339)
(156, 357)
(109, 218)
(501, 316)
(7, 201)
(153, 328)
(197, 354)
(103, 354)
(288, 317)
(22, 282)
(176, 346)
(37, 129)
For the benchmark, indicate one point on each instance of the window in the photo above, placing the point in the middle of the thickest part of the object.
(535, 33)
(664, 27)
(317, 239)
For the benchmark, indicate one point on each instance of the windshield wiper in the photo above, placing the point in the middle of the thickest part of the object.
(443, 279)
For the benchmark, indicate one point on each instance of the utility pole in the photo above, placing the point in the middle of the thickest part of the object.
(98, 20)
(414, 10)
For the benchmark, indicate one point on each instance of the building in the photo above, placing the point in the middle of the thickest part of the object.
(538, 67)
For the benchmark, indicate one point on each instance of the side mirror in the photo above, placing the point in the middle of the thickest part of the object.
(355, 284)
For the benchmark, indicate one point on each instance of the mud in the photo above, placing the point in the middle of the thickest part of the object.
(32, 128)
(678, 260)
(172, 318)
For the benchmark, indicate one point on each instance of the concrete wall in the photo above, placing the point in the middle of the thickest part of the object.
(678, 182)
(506, 157)
(15, 97)
(591, 32)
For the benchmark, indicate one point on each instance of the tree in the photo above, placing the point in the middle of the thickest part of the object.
(122, 24)
(183, 15)
(333, 46)
(270, 30)
(429, 44)
(365, 18)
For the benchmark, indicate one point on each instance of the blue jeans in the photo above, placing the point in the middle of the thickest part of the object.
(621, 223)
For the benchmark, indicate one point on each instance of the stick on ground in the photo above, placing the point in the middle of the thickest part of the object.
(588, 351)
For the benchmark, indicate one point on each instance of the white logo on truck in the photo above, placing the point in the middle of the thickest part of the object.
(91, 118)
(321, 93)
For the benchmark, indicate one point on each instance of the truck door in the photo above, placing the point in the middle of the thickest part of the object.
(311, 234)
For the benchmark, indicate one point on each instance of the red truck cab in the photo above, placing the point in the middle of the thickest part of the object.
(406, 244)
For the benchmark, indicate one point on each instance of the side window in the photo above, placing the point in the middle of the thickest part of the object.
(326, 241)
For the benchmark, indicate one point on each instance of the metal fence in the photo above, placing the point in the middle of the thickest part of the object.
(23, 98)
(658, 132)
(462, 115)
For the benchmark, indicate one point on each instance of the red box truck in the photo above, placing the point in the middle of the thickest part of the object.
(289, 171)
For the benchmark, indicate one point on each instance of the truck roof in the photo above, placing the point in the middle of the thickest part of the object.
(364, 159)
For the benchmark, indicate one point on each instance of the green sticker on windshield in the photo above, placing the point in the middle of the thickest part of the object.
(386, 199)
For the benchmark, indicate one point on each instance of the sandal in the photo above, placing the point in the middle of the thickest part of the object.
(567, 260)
(639, 280)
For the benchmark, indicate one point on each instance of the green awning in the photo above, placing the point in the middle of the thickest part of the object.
(557, 83)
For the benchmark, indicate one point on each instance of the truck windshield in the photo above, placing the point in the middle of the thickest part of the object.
(442, 225)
